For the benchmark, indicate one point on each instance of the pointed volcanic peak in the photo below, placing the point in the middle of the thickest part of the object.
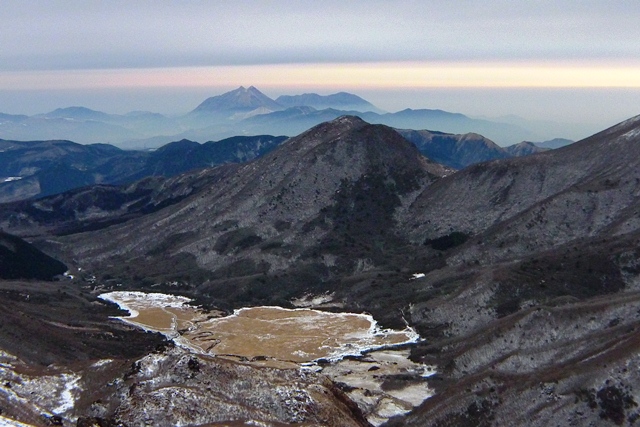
(337, 180)
(340, 101)
(241, 99)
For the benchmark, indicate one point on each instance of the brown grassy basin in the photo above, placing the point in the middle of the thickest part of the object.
(297, 335)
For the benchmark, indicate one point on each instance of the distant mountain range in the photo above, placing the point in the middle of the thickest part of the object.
(339, 101)
(554, 143)
(41, 168)
(456, 151)
(246, 111)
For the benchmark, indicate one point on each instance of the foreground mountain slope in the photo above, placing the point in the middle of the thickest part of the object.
(530, 269)
(20, 260)
(581, 180)
(528, 303)
(270, 212)
(539, 319)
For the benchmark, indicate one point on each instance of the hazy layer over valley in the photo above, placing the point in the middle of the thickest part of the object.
(247, 111)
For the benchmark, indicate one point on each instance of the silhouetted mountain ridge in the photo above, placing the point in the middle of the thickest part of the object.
(525, 148)
(243, 111)
(456, 151)
(341, 101)
(42, 168)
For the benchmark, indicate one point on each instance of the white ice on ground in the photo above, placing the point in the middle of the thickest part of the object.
(310, 300)
(8, 422)
(414, 394)
(49, 394)
(130, 300)
(11, 178)
(67, 399)
(368, 393)
(367, 382)
(387, 409)
(101, 363)
(632, 133)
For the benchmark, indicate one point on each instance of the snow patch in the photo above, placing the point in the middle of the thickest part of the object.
(310, 300)
(8, 422)
(67, 398)
(366, 375)
(11, 178)
(130, 300)
(632, 133)
(52, 394)
(101, 363)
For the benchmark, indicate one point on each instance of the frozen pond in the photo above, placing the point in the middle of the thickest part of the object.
(297, 335)
(383, 383)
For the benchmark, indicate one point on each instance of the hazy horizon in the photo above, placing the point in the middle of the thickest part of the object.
(576, 63)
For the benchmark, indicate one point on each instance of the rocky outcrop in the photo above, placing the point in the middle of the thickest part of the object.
(175, 387)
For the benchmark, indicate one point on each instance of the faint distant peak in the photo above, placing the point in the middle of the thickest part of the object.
(524, 148)
(75, 112)
(552, 143)
(340, 101)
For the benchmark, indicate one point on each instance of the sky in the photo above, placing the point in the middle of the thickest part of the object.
(568, 61)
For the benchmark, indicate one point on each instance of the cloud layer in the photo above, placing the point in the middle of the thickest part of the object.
(63, 34)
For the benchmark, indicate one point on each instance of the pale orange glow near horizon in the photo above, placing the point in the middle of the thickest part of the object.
(335, 76)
